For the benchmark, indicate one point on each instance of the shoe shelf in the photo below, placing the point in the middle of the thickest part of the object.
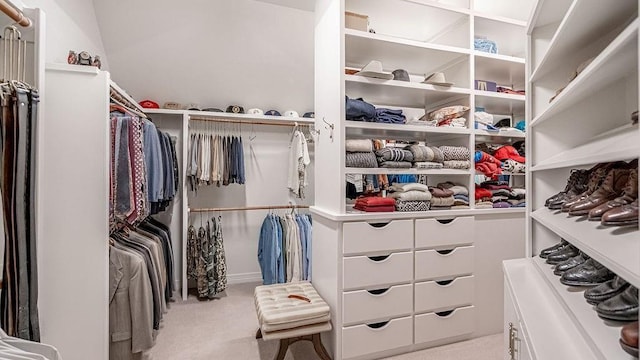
(500, 103)
(401, 93)
(547, 328)
(601, 335)
(584, 21)
(617, 248)
(409, 171)
(612, 64)
(618, 144)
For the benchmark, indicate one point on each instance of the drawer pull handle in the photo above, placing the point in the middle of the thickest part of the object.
(378, 291)
(445, 221)
(378, 258)
(445, 313)
(379, 224)
(444, 282)
(445, 252)
(378, 325)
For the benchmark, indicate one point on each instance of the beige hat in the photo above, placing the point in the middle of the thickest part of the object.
(437, 78)
(374, 69)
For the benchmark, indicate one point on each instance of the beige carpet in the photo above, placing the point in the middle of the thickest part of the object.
(225, 329)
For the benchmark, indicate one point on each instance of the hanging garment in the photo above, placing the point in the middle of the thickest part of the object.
(220, 258)
(299, 160)
(15, 348)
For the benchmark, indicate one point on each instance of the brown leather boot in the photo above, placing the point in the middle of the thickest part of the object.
(622, 216)
(597, 176)
(629, 338)
(629, 194)
(612, 186)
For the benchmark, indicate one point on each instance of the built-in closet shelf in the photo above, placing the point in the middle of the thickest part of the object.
(584, 22)
(615, 62)
(506, 173)
(438, 5)
(547, 328)
(502, 19)
(614, 145)
(232, 116)
(502, 69)
(500, 103)
(617, 248)
(355, 215)
(513, 134)
(399, 131)
(401, 93)
(601, 334)
(498, 58)
(547, 12)
(416, 57)
(410, 171)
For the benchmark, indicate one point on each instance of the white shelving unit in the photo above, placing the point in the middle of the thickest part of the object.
(421, 37)
(588, 122)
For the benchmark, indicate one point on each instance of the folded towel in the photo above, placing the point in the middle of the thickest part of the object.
(394, 154)
(394, 164)
(361, 160)
(413, 195)
(455, 153)
(427, 165)
(457, 164)
(402, 187)
(406, 206)
(358, 145)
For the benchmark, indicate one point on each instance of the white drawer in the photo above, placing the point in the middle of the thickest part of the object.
(366, 305)
(363, 237)
(363, 271)
(437, 326)
(436, 296)
(366, 339)
(440, 264)
(433, 233)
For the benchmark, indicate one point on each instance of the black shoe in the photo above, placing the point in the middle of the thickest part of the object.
(545, 252)
(563, 254)
(590, 273)
(622, 307)
(576, 184)
(605, 291)
(570, 264)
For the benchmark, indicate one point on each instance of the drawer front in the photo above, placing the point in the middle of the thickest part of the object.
(438, 326)
(432, 264)
(366, 339)
(366, 305)
(363, 271)
(436, 296)
(432, 233)
(363, 237)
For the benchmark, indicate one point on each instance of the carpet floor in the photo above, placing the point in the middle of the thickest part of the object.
(225, 329)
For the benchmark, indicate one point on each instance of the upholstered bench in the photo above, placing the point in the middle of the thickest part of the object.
(292, 312)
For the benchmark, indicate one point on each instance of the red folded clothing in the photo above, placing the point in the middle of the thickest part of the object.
(488, 158)
(497, 187)
(482, 193)
(386, 208)
(489, 169)
(375, 201)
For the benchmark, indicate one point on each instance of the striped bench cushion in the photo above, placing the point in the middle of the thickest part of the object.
(275, 308)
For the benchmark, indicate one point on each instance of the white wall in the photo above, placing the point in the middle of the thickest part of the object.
(211, 52)
(71, 25)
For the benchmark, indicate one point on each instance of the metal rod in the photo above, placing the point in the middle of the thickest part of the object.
(15, 14)
(246, 208)
(233, 121)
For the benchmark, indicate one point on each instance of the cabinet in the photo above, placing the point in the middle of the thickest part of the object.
(567, 131)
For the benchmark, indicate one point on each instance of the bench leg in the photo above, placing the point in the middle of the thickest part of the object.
(259, 334)
(282, 351)
(319, 348)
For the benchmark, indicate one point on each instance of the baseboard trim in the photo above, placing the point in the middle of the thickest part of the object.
(244, 278)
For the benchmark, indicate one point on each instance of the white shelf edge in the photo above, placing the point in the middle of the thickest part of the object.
(438, 5)
(351, 124)
(596, 242)
(498, 57)
(407, 85)
(405, 42)
(595, 65)
(506, 174)
(502, 19)
(82, 69)
(498, 95)
(600, 335)
(482, 132)
(412, 215)
(410, 171)
(225, 115)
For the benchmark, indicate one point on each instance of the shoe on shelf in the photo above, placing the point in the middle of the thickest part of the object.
(625, 215)
(628, 195)
(629, 338)
(563, 254)
(605, 291)
(612, 187)
(570, 264)
(597, 175)
(554, 248)
(622, 307)
(589, 273)
(576, 184)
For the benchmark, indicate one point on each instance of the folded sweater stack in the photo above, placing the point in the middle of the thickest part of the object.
(497, 194)
(359, 154)
(456, 157)
(411, 196)
(375, 204)
(441, 198)
(393, 157)
(460, 194)
(426, 157)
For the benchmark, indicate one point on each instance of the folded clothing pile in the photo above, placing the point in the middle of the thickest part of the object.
(456, 157)
(375, 204)
(359, 110)
(359, 154)
(441, 198)
(488, 165)
(389, 116)
(460, 194)
(485, 45)
(411, 196)
(498, 194)
(426, 157)
(393, 157)
(450, 116)
(512, 161)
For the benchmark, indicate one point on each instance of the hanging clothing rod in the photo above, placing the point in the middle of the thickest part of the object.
(15, 14)
(249, 122)
(246, 208)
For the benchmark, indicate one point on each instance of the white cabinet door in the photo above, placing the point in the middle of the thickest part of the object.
(515, 346)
